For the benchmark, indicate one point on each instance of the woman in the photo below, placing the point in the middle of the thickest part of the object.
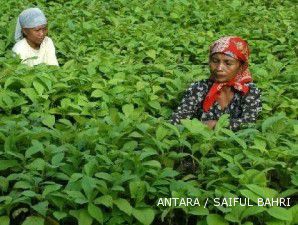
(33, 46)
(229, 90)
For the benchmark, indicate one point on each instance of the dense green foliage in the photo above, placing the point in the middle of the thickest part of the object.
(90, 143)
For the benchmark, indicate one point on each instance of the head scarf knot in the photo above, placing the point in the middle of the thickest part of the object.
(29, 18)
(237, 48)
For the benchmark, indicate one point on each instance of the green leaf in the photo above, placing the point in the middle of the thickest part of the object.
(104, 176)
(222, 122)
(197, 128)
(57, 159)
(232, 218)
(77, 196)
(294, 211)
(4, 220)
(41, 208)
(37, 164)
(250, 195)
(165, 213)
(280, 213)
(95, 212)
(253, 176)
(161, 132)
(234, 137)
(252, 210)
(118, 188)
(12, 80)
(287, 193)
(198, 211)
(248, 223)
(36, 147)
(29, 193)
(33, 220)
(88, 185)
(145, 216)
(262, 191)
(214, 219)
(105, 200)
(98, 94)
(5, 164)
(226, 157)
(4, 184)
(169, 172)
(48, 120)
(270, 121)
(260, 145)
(146, 152)
(234, 215)
(90, 168)
(295, 129)
(22, 185)
(152, 163)
(50, 188)
(123, 205)
(137, 190)
(136, 135)
(129, 146)
(82, 216)
(38, 87)
(151, 53)
(154, 104)
(128, 110)
(173, 128)
(59, 215)
(75, 176)
(30, 93)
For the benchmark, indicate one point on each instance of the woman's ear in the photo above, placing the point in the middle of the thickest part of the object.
(24, 31)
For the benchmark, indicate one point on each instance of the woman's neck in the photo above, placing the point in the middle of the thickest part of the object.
(226, 89)
(225, 97)
(33, 45)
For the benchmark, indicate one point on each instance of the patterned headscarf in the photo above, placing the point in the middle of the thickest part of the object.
(29, 18)
(238, 49)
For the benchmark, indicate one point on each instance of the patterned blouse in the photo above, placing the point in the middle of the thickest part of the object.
(242, 108)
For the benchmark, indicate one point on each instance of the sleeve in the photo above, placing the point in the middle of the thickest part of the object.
(251, 107)
(17, 49)
(51, 53)
(189, 104)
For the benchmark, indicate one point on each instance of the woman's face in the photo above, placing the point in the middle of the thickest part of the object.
(223, 68)
(36, 35)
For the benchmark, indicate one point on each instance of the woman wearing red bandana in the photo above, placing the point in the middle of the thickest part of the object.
(229, 90)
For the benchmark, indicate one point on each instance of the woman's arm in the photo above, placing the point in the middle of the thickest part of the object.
(51, 58)
(251, 107)
(189, 104)
(210, 123)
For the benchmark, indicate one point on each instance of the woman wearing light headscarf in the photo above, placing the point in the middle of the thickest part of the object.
(32, 43)
(229, 90)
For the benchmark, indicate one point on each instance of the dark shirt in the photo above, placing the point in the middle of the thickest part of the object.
(244, 108)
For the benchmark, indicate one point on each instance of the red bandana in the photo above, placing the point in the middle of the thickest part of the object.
(238, 49)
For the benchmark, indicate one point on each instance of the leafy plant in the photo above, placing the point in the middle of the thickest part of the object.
(90, 142)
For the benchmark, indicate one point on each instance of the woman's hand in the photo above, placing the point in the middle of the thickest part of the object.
(210, 123)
